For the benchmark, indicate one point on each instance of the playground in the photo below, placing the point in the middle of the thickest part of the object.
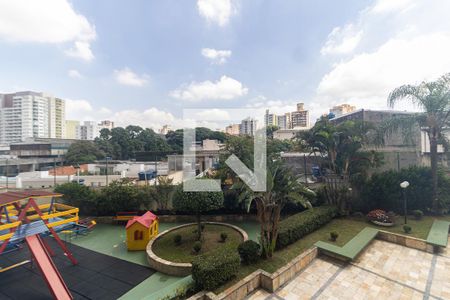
(47, 251)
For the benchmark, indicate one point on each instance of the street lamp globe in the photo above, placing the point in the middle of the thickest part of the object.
(404, 184)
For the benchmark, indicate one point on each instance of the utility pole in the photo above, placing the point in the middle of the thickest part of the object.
(54, 171)
(107, 158)
(7, 163)
(156, 169)
(304, 166)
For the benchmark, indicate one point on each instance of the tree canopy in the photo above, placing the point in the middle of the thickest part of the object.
(82, 152)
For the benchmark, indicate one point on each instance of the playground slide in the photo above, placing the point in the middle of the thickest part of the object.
(52, 276)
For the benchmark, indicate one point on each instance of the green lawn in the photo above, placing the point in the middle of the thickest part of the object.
(347, 229)
(165, 246)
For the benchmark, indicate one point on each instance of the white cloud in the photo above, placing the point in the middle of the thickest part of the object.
(213, 114)
(81, 50)
(46, 21)
(74, 74)
(404, 42)
(105, 111)
(387, 6)
(224, 89)
(151, 118)
(342, 40)
(128, 77)
(395, 63)
(217, 11)
(218, 57)
(78, 109)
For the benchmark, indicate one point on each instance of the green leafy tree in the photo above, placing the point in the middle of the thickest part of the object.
(197, 202)
(83, 152)
(122, 196)
(282, 186)
(433, 98)
(163, 192)
(78, 195)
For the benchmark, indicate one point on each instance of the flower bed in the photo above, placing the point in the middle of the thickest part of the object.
(380, 217)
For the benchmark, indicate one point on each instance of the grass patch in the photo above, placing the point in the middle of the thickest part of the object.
(347, 229)
(165, 246)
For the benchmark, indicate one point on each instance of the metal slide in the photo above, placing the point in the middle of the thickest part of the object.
(51, 274)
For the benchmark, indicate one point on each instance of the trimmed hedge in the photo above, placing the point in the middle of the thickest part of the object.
(211, 270)
(297, 226)
(250, 252)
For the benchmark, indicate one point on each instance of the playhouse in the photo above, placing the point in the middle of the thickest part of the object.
(140, 230)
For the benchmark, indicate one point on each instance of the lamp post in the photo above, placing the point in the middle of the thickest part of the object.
(404, 185)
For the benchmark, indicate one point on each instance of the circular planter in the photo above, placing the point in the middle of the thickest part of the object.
(383, 224)
(176, 268)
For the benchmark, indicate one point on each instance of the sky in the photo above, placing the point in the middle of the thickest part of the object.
(144, 62)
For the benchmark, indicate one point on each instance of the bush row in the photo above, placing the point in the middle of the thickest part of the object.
(297, 226)
(382, 191)
(211, 270)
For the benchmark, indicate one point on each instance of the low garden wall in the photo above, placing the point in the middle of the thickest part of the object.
(271, 282)
(189, 218)
(406, 241)
(261, 279)
(174, 268)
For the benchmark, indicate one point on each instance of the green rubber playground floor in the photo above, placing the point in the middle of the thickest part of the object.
(110, 240)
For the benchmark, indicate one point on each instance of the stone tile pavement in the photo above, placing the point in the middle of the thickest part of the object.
(383, 271)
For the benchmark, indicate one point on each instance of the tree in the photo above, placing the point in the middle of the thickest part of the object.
(77, 195)
(163, 192)
(122, 195)
(197, 202)
(342, 148)
(282, 186)
(434, 99)
(82, 152)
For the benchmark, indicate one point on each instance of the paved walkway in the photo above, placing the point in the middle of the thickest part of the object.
(383, 271)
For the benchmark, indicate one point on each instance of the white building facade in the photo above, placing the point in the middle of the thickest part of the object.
(29, 114)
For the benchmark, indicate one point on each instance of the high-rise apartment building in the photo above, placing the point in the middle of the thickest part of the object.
(57, 118)
(270, 119)
(106, 124)
(89, 130)
(284, 121)
(232, 129)
(29, 114)
(165, 129)
(300, 117)
(342, 109)
(248, 127)
(71, 129)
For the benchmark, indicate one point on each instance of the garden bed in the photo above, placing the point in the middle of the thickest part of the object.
(165, 247)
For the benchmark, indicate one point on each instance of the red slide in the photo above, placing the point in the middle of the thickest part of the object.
(53, 278)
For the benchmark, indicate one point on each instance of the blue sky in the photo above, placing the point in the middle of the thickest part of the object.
(143, 62)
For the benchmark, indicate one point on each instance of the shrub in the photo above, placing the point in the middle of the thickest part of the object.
(334, 235)
(177, 239)
(211, 270)
(383, 190)
(407, 228)
(249, 252)
(197, 247)
(297, 226)
(223, 237)
(418, 214)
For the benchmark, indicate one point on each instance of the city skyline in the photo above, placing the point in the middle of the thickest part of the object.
(217, 56)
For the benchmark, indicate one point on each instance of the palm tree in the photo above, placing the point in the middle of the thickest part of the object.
(282, 186)
(434, 99)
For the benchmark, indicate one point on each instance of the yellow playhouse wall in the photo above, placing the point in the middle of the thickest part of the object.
(140, 244)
